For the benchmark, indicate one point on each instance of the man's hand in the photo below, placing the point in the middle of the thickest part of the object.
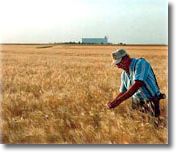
(109, 105)
(113, 104)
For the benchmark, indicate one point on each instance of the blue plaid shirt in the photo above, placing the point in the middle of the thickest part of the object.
(140, 70)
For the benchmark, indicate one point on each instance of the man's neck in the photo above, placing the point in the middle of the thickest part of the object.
(128, 66)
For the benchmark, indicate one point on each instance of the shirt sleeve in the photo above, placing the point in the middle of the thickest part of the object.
(122, 86)
(142, 69)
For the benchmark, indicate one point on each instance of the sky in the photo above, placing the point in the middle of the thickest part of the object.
(49, 21)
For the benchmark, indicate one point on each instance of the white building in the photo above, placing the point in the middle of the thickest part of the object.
(95, 40)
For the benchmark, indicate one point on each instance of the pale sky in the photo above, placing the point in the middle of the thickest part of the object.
(43, 21)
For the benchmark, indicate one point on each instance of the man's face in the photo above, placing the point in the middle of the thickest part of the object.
(121, 64)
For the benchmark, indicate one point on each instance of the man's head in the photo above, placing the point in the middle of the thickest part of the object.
(121, 59)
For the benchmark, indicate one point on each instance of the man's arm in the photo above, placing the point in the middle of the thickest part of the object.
(123, 96)
(120, 94)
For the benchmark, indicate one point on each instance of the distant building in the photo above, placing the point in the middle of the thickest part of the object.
(95, 40)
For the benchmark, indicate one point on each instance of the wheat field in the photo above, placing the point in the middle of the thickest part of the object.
(56, 94)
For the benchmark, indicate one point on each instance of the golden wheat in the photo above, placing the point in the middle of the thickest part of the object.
(57, 94)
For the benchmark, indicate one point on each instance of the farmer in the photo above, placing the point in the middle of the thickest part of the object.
(137, 81)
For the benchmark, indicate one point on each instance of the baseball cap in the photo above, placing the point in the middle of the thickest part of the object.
(117, 56)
